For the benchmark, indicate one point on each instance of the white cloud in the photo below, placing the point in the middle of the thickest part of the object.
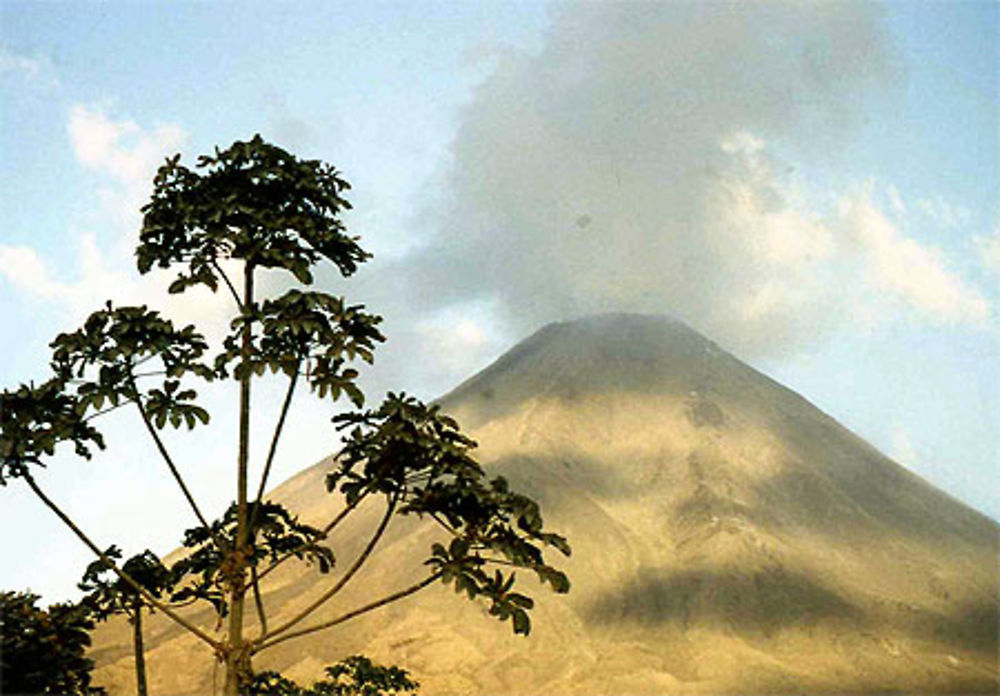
(37, 71)
(901, 447)
(119, 148)
(741, 142)
(765, 210)
(96, 281)
(666, 168)
(126, 156)
(24, 268)
(896, 200)
(455, 341)
(988, 248)
(940, 211)
(100, 275)
(123, 152)
(661, 135)
(916, 274)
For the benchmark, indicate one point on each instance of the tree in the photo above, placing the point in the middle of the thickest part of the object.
(255, 206)
(353, 676)
(43, 651)
(109, 595)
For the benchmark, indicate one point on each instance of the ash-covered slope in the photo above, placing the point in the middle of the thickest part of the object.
(727, 536)
(617, 386)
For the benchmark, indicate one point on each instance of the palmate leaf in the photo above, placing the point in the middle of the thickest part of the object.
(354, 676)
(35, 420)
(412, 453)
(173, 406)
(109, 594)
(304, 331)
(202, 573)
(252, 201)
(99, 360)
(44, 650)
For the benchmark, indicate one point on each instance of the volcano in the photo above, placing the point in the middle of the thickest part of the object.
(728, 537)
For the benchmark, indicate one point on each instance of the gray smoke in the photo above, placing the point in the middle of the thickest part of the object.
(628, 165)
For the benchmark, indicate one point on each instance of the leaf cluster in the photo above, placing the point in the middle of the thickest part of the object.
(44, 651)
(311, 328)
(109, 594)
(116, 338)
(102, 356)
(93, 366)
(356, 675)
(206, 573)
(34, 420)
(467, 573)
(418, 458)
(252, 201)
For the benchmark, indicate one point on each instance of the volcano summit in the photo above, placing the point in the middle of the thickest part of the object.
(728, 537)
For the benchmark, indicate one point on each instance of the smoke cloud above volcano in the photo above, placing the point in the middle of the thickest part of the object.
(649, 158)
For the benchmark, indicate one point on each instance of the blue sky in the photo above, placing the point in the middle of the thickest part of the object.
(812, 186)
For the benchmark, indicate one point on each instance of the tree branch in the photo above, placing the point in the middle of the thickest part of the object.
(151, 373)
(321, 535)
(143, 361)
(229, 284)
(236, 667)
(109, 409)
(219, 542)
(261, 615)
(447, 527)
(274, 445)
(342, 514)
(146, 595)
(358, 562)
(349, 615)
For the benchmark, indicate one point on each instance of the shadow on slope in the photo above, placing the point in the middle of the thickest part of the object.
(974, 627)
(758, 603)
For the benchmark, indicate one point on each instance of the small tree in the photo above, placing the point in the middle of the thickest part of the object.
(354, 676)
(43, 651)
(109, 595)
(257, 207)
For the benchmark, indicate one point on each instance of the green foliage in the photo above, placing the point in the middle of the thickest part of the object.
(355, 676)
(34, 420)
(252, 201)
(259, 206)
(43, 651)
(271, 683)
(108, 594)
(96, 365)
(420, 461)
(205, 572)
(101, 359)
(304, 328)
(115, 339)
(359, 676)
(93, 366)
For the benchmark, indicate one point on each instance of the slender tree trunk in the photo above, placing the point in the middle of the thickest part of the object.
(138, 650)
(237, 655)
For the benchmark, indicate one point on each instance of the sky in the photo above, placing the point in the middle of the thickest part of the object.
(812, 186)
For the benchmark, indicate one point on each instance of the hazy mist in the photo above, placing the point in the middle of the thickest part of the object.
(627, 166)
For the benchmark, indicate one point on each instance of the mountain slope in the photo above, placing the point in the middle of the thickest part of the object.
(727, 537)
